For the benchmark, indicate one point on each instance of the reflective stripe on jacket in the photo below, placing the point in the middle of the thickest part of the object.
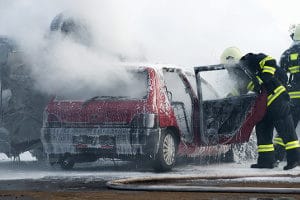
(294, 94)
(277, 92)
(265, 68)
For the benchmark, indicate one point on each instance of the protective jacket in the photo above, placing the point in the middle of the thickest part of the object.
(290, 62)
(268, 75)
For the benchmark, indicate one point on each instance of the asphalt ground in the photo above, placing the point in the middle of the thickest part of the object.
(31, 180)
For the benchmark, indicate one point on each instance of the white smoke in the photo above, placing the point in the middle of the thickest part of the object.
(187, 33)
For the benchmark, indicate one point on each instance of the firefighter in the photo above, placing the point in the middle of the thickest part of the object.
(278, 113)
(290, 63)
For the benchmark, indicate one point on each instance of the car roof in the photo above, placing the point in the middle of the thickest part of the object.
(160, 67)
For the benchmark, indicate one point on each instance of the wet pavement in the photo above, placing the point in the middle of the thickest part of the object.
(39, 176)
(35, 180)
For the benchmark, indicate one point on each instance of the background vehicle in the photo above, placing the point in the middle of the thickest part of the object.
(21, 105)
(156, 116)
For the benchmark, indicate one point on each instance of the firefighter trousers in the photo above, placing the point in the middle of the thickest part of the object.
(279, 116)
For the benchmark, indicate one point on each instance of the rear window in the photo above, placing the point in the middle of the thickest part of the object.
(132, 85)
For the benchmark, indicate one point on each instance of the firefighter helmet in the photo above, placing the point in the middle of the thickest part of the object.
(230, 55)
(296, 35)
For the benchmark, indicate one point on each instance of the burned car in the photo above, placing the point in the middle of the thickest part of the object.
(161, 114)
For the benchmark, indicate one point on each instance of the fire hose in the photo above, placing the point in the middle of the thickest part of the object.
(172, 184)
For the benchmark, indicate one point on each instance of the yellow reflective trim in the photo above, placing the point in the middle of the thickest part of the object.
(279, 89)
(250, 86)
(279, 141)
(294, 94)
(294, 56)
(292, 145)
(295, 97)
(259, 80)
(294, 69)
(234, 92)
(263, 61)
(277, 92)
(265, 148)
(270, 68)
(268, 71)
(293, 142)
(265, 145)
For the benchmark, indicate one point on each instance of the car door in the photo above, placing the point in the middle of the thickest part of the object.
(181, 101)
(226, 115)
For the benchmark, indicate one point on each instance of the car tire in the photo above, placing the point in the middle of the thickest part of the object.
(67, 163)
(166, 156)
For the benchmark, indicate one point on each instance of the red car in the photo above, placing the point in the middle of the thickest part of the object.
(159, 115)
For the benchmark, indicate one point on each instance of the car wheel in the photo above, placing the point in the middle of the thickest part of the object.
(166, 156)
(67, 163)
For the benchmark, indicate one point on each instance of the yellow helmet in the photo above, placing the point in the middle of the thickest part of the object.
(231, 55)
(296, 35)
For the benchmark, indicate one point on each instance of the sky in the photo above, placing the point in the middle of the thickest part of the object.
(172, 31)
(186, 33)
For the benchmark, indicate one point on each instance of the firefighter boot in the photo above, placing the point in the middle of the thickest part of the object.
(280, 154)
(265, 160)
(293, 158)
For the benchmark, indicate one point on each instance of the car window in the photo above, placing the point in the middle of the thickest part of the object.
(216, 84)
(132, 85)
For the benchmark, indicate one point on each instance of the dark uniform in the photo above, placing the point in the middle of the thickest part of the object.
(278, 113)
(290, 63)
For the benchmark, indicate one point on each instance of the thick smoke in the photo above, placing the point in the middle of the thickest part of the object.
(187, 33)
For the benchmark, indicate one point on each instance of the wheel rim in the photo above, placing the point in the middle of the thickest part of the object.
(66, 163)
(169, 149)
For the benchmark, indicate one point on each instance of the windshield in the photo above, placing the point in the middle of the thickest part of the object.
(132, 85)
